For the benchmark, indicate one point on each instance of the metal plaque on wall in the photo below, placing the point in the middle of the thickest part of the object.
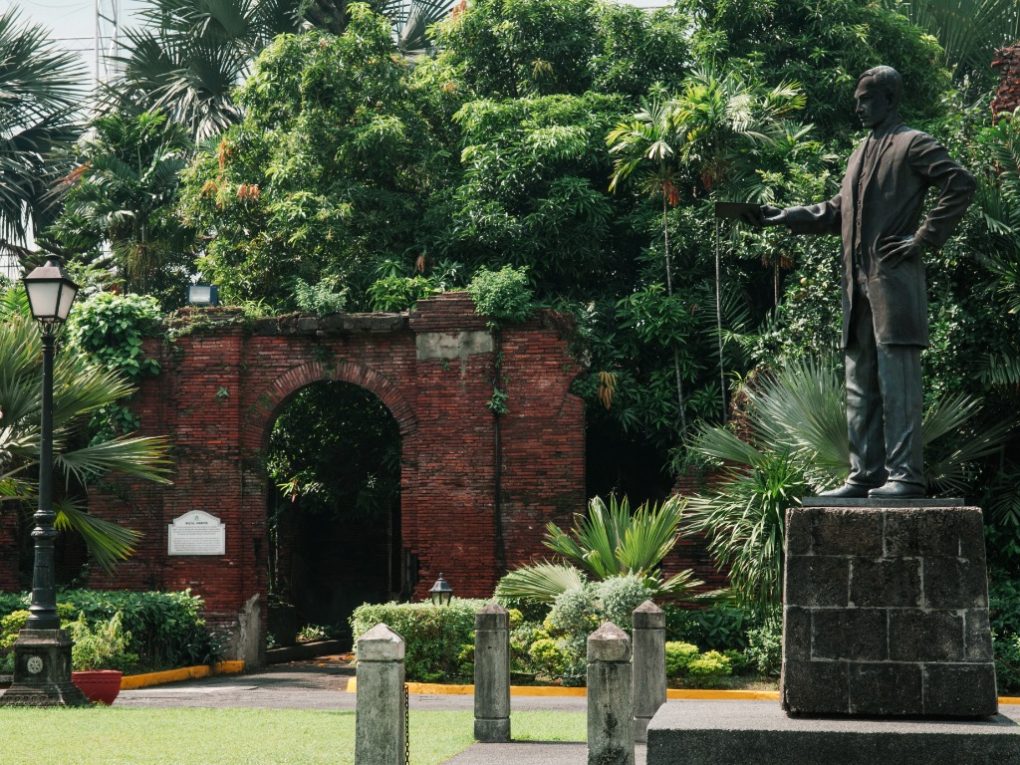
(196, 533)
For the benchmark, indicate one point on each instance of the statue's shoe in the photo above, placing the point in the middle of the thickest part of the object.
(897, 490)
(847, 491)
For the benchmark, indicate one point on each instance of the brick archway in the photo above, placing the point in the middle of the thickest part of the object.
(274, 396)
(476, 490)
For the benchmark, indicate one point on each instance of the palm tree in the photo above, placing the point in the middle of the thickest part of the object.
(645, 145)
(191, 54)
(724, 121)
(81, 387)
(794, 442)
(39, 90)
(710, 136)
(968, 30)
(610, 541)
(122, 192)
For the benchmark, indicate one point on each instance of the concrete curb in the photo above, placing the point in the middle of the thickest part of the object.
(149, 679)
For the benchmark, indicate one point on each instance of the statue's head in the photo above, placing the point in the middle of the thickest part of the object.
(878, 94)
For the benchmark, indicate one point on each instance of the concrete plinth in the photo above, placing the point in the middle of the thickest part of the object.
(885, 612)
(738, 733)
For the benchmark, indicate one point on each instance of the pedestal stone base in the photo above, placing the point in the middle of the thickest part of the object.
(492, 731)
(743, 732)
(885, 613)
(42, 672)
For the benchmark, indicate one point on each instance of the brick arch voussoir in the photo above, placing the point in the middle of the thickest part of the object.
(291, 381)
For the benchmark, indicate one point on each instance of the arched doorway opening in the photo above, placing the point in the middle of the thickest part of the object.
(333, 510)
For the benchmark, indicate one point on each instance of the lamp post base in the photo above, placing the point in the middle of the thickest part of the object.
(42, 672)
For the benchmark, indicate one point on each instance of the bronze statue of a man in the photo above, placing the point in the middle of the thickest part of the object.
(885, 324)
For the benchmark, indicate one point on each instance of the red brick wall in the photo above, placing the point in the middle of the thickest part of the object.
(224, 380)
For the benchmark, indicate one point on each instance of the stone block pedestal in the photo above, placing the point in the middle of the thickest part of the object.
(885, 612)
(759, 733)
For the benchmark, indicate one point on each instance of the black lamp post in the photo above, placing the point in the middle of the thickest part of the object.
(441, 592)
(42, 653)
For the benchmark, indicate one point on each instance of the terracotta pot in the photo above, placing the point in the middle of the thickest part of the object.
(101, 685)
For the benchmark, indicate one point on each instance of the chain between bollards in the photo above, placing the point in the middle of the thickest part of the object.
(407, 727)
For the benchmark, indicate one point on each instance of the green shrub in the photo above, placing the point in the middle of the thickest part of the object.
(104, 646)
(1007, 663)
(12, 601)
(618, 596)
(433, 635)
(575, 615)
(710, 664)
(716, 628)
(548, 657)
(399, 293)
(765, 647)
(167, 629)
(1004, 604)
(321, 298)
(522, 637)
(502, 295)
(678, 656)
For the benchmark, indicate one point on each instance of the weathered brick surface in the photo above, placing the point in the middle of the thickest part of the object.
(9, 556)
(886, 613)
(463, 512)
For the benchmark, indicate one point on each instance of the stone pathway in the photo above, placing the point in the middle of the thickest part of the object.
(531, 754)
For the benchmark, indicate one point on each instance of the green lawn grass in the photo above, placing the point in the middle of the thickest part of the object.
(112, 736)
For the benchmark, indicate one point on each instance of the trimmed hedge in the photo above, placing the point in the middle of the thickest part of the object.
(167, 629)
(434, 636)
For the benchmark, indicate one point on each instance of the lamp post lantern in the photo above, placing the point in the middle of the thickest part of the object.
(42, 653)
(441, 592)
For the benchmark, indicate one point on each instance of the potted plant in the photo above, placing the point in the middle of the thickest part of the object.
(94, 652)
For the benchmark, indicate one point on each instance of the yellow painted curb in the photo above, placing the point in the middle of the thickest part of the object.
(148, 679)
(717, 695)
(438, 689)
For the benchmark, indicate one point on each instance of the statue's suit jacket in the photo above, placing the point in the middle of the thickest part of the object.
(904, 165)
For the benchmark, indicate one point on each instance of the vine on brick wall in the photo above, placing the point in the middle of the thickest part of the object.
(110, 328)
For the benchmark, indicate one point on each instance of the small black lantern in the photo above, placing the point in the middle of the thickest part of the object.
(203, 295)
(441, 592)
(50, 293)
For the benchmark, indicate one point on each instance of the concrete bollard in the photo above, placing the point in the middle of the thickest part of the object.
(610, 704)
(649, 665)
(492, 674)
(380, 737)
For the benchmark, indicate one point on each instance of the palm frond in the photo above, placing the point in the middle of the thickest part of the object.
(539, 582)
(139, 456)
(107, 542)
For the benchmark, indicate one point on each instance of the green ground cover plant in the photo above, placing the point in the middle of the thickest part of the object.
(241, 736)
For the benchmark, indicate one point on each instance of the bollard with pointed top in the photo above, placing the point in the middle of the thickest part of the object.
(492, 674)
(610, 704)
(649, 666)
(380, 735)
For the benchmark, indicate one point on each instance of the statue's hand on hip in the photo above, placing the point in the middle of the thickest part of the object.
(894, 249)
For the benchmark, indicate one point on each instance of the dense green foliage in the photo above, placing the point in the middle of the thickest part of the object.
(162, 630)
(434, 636)
(39, 92)
(121, 196)
(82, 388)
